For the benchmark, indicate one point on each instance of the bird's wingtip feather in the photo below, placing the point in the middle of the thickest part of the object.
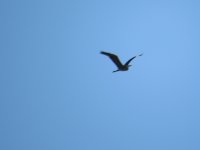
(102, 52)
(141, 54)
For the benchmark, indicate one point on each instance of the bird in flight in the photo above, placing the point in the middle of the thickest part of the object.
(117, 62)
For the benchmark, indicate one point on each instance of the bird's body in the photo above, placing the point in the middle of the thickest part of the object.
(117, 62)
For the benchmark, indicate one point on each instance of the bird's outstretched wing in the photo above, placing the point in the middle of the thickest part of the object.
(126, 64)
(114, 58)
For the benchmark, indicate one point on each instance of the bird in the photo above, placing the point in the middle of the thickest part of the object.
(117, 62)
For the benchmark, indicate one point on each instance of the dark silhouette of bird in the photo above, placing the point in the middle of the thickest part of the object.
(117, 62)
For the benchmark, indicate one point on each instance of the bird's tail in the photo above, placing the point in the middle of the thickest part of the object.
(115, 71)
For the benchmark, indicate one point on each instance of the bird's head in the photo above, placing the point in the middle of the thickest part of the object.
(129, 65)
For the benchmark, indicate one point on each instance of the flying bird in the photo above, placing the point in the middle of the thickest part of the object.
(117, 62)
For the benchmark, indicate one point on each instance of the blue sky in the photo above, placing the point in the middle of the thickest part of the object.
(58, 92)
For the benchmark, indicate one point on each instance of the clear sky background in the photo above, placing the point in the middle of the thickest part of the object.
(59, 93)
